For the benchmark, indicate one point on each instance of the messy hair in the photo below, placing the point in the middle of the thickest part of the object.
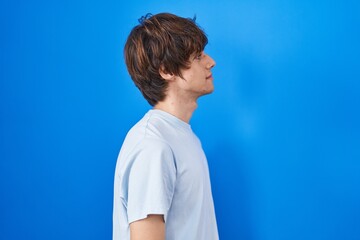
(162, 41)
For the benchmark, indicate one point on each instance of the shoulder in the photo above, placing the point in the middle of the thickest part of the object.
(151, 146)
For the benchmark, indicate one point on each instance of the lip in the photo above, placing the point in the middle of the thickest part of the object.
(209, 77)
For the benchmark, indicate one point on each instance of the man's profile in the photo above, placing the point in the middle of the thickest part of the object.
(162, 187)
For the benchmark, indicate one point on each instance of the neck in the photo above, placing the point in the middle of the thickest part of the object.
(182, 109)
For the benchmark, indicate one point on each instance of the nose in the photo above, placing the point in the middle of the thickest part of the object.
(210, 62)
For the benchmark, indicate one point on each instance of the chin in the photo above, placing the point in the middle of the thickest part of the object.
(207, 91)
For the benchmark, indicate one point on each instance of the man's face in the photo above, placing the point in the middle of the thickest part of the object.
(197, 80)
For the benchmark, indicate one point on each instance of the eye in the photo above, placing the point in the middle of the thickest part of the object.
(199, 56)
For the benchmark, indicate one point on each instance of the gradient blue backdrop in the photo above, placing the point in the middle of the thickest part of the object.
(281, 131)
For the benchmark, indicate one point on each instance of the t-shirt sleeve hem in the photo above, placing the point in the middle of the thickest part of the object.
(143, 215)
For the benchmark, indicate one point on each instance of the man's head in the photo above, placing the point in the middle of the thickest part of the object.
(162, 42)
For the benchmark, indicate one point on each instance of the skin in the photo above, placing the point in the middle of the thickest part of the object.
(150, 228)
(180, 101)
(182, 94)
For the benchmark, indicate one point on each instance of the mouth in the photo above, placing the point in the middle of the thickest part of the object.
(209, 77)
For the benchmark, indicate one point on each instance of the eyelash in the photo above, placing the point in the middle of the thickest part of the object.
(198, 57)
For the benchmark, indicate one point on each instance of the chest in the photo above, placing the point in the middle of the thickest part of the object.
(191, 164)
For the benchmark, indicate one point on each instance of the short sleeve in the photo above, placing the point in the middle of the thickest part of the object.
(152, 179)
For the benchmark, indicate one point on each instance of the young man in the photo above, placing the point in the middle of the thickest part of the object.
(162, 187)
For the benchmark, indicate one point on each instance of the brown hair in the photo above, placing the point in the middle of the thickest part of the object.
(163, 41)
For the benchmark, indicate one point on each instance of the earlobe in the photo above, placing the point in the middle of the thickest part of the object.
(166, 75)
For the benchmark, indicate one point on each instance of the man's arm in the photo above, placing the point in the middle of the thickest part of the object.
(150, 228)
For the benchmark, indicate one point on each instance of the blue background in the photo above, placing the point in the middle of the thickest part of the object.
(281, 131)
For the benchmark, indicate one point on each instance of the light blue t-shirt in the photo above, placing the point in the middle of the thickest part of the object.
(162, 169)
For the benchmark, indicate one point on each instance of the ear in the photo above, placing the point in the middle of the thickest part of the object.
(166, 75)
